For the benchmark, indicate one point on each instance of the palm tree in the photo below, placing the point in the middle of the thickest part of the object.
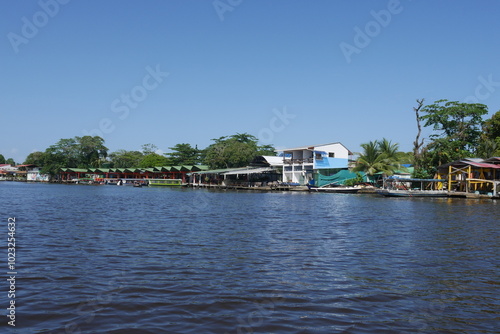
(388, 148)
(378, 157)
(391, 153)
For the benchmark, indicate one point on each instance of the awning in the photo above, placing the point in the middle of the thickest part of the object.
(402, 179)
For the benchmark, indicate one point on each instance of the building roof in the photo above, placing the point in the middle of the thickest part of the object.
(218, 171)
(250, 171)
(267, 160)
(310, 147)
(494, 160)
(476, 162)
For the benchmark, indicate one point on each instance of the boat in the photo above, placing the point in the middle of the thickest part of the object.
(400, 187)
(126, 182)
(412, 193)
(165, 182)
(339, 189)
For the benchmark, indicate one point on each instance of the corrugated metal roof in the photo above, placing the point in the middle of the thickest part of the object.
(273, 161)
(311, 147)
(476, 162)
(250, 171)
(219, 171)
(484, 165)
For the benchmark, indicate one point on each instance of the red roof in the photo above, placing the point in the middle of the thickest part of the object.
(483, 165)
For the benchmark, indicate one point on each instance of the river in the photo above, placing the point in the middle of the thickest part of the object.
(109, 259)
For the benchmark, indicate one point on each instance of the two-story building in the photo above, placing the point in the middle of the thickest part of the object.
(301, 164)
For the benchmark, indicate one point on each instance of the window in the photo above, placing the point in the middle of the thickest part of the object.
(331, 155)
(318, 156)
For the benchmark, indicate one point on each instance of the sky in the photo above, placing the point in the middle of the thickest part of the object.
(290, 72)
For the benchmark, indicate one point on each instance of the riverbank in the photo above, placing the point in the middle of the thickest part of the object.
(280, 188)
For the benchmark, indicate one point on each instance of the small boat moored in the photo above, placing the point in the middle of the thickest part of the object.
(401, 187)
(164, 182)
(340, 190)
(412, 193)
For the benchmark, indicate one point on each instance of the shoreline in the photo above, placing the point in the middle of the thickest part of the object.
(279, 188)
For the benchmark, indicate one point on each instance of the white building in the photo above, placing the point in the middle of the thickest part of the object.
(301, 163)
(33, 173)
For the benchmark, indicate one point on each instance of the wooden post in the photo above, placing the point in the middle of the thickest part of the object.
(449, 178)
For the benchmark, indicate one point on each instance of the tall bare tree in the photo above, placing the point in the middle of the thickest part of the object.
(418, 143)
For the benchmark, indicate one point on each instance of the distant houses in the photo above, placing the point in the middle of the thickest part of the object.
(293, 166)
(319, 165)
(105, 174)
(30, 173)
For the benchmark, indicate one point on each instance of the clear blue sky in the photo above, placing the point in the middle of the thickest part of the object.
(347, 71)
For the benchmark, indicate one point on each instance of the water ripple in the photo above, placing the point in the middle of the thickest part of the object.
(126, 260)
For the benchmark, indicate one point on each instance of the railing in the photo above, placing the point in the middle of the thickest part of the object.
(299, 161)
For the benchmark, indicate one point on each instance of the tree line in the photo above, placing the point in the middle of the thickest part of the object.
(8, 161)
(90, 152)
(458, 131)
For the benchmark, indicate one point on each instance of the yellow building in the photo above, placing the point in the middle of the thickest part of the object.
(472, 175)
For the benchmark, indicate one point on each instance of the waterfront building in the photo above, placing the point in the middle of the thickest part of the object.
(33, 173)
(472, 175)
(302, 165)
(9, 172)
(261, 171)
(113, 174)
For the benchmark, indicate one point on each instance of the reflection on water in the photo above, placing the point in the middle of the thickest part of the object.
(110, 259)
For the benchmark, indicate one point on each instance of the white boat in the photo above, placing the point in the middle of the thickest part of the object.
(412, 193)
(340, 189)
(400, 187)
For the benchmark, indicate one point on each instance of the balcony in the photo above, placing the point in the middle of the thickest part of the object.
(299, 161)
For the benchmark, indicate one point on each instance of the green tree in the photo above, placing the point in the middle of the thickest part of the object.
(10, 161)
(405, 158)
(149, 148)
(153, 160)
(489, 148)
(457, 128)
(378, 156)
(64, 153)
(124, 159)
(184, 154)
(490, 139)
(268, 150)
(491, 127)
(2, 159)
(35, 158)
(234, 151)
(78, 152)
(389, 150)
(92, 151)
